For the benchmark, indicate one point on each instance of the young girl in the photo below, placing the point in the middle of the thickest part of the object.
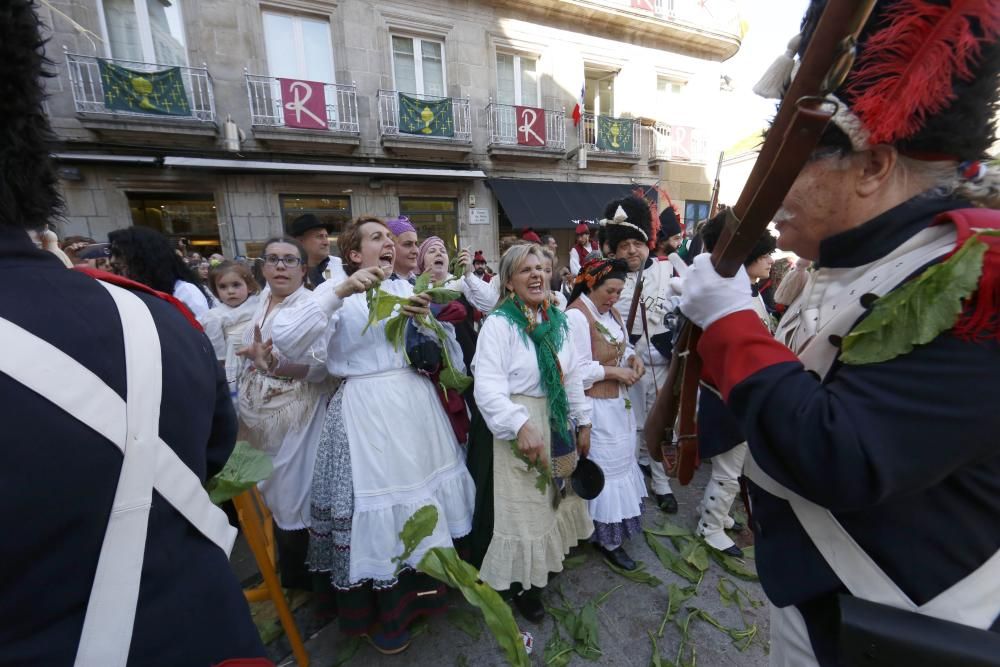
(233, 285)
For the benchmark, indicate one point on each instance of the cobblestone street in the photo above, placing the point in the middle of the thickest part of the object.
(626, 618)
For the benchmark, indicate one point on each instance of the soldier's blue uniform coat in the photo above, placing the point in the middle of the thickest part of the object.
(905, 453)
(58, 480)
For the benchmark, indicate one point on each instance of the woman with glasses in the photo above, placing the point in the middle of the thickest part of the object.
(387, 449)
(282, 401)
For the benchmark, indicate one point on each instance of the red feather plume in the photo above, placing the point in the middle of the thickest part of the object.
(906, 70)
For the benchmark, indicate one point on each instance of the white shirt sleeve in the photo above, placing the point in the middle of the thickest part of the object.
(579, 403)
(211, 322)
(192, 297)
(299, 331)
(481, 294)
(574, 261)
(591, 371)
(492, 389)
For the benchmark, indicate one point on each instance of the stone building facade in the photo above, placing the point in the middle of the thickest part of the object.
(225, 168)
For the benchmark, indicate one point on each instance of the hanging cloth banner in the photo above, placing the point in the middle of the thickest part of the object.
(303, 104)
(431, 119)
(160, 92)
(530, 126)
(615, 134)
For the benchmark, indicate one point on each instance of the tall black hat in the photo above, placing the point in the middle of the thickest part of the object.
(925, 78)
(626, 218)
(669, 224)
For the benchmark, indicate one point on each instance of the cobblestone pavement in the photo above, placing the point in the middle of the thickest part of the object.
(627, 617)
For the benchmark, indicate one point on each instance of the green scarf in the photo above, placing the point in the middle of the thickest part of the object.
(548, 337)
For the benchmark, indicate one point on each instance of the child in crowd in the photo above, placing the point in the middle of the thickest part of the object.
(237, 291)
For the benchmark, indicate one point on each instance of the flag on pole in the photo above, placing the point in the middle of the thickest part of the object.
(578, 109)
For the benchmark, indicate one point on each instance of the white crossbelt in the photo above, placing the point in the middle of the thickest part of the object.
(148, 463)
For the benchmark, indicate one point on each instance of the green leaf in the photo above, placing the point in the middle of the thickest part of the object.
(656, 660)
(741, 638)
(454, 379)
(557, 650)
(419, 526)
(382, 305)
(731, 594)
(422, 282)
(676, 597)
(668, 529)
(574, 561)
(445, 566)
(246, 466)
(442, 296)
(638, 575)
(672, 561)
(395, 331)
(544, 476)
(748, 552)
(733, 566)
(917, 312)
(466, 621)
(695, 554)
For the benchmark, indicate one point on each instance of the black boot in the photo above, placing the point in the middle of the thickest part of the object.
(666, 502)
(618, 557)
(529, 603)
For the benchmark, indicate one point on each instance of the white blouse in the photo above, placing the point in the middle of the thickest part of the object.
(506, 365)
(297, 345)
(591, 370)
(192, 297)
(481, 294)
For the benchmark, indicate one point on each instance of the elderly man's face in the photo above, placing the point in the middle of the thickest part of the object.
(821, 204)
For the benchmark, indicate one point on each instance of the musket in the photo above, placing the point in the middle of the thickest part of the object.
(713, 206)
(802, 116)
(633, 307)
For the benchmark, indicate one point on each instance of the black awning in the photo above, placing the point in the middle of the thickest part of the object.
(552, 205)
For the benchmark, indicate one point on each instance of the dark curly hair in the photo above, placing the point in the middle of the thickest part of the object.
(712, 230)
(148, 257)
(28, 194)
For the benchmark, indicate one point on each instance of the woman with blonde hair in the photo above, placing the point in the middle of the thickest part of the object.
(528, 388)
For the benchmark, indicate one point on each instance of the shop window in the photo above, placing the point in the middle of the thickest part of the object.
(433, 217)
(335, 210)
(184, 218)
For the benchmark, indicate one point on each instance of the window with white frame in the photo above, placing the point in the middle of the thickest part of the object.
(418, 66)
(149, 31)
(669, 92)
(517, 80)
(298, 47)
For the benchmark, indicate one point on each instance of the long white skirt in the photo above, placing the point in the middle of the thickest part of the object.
(404, 456)
(612, 447)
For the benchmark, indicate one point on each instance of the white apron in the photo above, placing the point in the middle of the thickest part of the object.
(132, 425)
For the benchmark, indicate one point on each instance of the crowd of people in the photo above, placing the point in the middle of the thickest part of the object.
(855, 397)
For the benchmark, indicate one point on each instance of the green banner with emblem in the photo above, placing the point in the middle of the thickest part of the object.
(159, 93)
(615, 134)
(430, 119)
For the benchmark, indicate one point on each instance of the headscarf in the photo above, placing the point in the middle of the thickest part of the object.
(428, 243)
(400, 225)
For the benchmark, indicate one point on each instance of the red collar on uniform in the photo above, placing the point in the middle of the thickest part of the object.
(134, 286)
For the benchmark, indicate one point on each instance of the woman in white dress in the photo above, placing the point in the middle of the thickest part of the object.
(611, 367)
(528, 388)
(386, 450)
(282, 397)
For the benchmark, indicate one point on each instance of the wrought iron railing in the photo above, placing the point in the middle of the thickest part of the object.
(504, 127)
(679, 143)
(89, 97)
(267, 106)
(588, 136)
(723, 16)
(388, 115)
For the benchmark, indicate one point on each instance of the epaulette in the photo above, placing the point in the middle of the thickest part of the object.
(134, 286)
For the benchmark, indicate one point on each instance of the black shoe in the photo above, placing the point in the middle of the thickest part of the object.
(733, 551)
(666, 502)
(737, 526)
(646, 470)
(618, 557)
(529, 603)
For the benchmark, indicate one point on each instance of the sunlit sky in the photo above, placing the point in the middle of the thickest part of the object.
(771, 24)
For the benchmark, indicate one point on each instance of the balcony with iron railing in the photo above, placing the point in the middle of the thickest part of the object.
(615, 147)
(337, 123)
(123, 94)
(511, 136)
(676, 143)
(427, 134)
